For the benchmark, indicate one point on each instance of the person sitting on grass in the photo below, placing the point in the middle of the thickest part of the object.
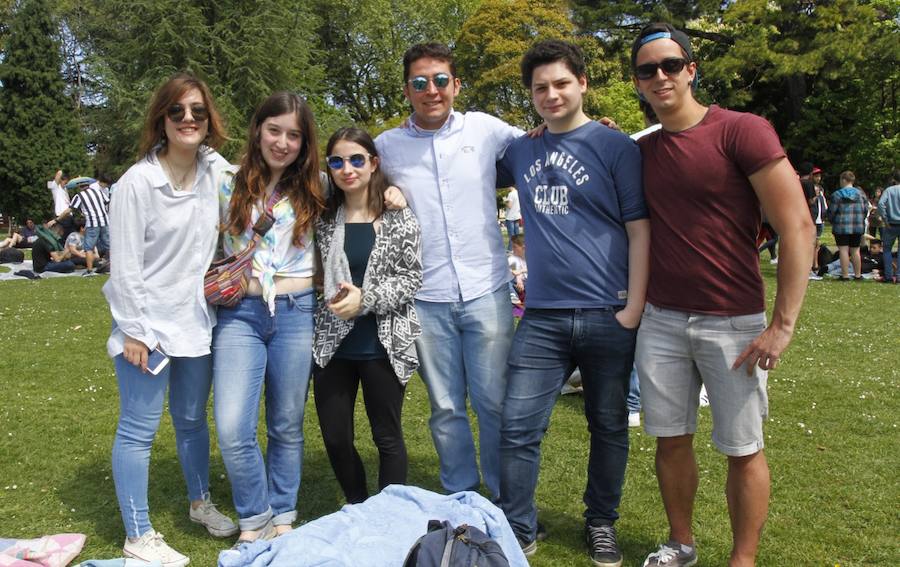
(8, 249)
(48, 253)
(29, 234)
(75, 244)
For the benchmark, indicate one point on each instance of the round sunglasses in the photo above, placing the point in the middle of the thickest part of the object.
(356, 160)
(420, 82)
(669, 66)
(176, 113)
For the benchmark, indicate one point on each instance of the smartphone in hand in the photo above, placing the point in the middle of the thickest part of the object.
(156, 361)
(341, 294)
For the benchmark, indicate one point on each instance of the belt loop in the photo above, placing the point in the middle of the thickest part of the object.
(291, 301)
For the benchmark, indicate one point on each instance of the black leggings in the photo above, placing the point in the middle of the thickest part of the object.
(335, 388)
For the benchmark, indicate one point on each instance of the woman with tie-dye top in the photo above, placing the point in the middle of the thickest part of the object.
(266, 339)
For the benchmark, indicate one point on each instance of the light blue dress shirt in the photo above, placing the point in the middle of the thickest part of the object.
(448, 177)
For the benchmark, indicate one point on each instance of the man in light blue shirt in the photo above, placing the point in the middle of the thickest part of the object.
(445, 163)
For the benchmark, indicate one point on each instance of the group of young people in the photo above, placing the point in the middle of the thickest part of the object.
(169, 212)
(604, 216)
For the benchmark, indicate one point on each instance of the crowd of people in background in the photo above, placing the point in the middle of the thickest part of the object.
(416, 276)
(77, 236)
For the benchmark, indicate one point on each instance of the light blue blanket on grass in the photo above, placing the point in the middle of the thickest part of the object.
(378, 532)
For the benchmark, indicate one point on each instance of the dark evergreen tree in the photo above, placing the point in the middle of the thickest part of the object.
(39, 130)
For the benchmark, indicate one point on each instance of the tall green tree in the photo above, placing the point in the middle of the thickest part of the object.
(39, 132)
(243, 50)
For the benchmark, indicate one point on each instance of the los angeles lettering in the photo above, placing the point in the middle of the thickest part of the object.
(562, 161)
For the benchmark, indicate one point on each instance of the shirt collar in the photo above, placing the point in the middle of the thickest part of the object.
(419, 132)
(158, 177)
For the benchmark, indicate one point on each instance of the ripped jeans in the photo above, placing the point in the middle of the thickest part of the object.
(141, 400)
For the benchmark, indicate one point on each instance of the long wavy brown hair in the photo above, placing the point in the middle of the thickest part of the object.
(154, 130)
(299, 181)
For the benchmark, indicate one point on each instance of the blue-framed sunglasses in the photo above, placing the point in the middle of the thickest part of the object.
(356, 160)
(420, 82)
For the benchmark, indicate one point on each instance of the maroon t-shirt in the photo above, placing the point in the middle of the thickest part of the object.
(704, 214)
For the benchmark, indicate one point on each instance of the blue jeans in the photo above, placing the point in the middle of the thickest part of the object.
(141, 398)
(633, 401)
(251, 349)
(462, 351)
(890, 235)
(547, 345)
(64, 267)
(512, 229)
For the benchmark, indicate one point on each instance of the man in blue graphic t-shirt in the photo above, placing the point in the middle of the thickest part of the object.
(587, 247)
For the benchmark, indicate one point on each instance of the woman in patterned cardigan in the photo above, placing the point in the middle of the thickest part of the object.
(366, 328)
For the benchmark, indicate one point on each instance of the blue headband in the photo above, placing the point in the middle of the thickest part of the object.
(658, 35)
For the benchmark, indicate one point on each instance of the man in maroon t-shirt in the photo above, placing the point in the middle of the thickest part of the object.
(706, 175)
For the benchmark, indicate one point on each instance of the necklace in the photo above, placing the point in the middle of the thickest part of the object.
(170, 173)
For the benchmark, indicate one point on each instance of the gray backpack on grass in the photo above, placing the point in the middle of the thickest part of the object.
(462, 546)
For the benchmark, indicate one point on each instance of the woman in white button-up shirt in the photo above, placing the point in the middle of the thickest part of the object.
(163, 228)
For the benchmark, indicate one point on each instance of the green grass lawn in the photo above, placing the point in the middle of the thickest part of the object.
(832, 441)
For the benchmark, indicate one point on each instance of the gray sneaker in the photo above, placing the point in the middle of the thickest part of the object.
(216, 523)
(672, 554)
(603, 548)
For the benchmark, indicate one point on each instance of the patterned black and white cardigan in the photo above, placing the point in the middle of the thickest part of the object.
(393, 275)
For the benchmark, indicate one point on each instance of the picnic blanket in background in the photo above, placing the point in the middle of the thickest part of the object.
(26, 265)
(378, 532)
(48, 551)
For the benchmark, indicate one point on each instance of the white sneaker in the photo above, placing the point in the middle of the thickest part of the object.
(151, 547)
(773, 261)
(815, 277)
(634, 419)
(216, 523)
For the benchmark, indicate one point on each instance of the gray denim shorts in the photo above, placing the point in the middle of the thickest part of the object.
(677, 352)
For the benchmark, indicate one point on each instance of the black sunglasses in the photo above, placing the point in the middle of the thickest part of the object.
(669, 66)
(176, 112)
(420, 82)
(337, 162)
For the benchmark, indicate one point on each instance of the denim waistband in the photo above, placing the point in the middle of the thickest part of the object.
(294, 294)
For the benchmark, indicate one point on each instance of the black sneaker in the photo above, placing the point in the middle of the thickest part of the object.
(529, 548)
(541, 534)
(603, 548)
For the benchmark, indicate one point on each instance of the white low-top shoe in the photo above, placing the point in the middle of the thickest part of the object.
(152, 547)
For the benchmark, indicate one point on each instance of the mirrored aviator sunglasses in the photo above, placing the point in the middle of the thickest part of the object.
(669, 66)
(420, 83)
(337, 162)
(176, 113)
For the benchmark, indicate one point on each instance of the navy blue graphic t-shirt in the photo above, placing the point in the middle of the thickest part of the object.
(577, 190)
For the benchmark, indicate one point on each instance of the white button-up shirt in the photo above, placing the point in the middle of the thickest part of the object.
(161, 243)
(448, 177)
